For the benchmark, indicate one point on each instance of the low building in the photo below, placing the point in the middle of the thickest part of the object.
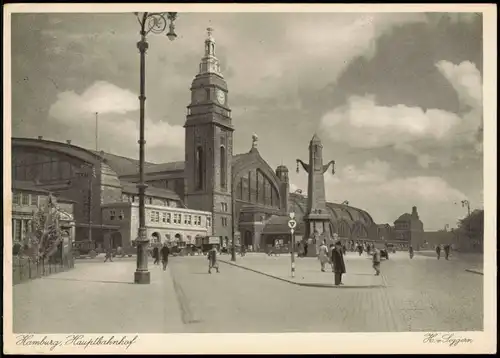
(409, 230)
(174, 225)
(27, 198)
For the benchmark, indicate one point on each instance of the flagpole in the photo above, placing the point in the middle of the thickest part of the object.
(97, 132)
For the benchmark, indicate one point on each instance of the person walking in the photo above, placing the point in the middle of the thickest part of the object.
(212, 260)
(360, 249)
(410, 250)
(243, 251)
(446, 252)
(156, 255)
(330, 253)
(376, 261)
(368, 249)
(323, 256)
(165, 251)
(109, 255)
(338, 263)
(438, 251)
(306, 247)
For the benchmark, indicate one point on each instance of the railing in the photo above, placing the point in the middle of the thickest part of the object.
(27, 268)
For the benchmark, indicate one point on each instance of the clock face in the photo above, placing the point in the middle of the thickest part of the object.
(221, 97)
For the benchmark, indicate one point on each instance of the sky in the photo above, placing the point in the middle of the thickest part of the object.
(396, 98)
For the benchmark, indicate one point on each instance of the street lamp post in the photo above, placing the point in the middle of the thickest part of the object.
(155, 22)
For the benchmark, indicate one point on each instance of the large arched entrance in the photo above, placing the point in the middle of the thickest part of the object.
(155, 238)
(180, 241)
(247, 240)
(116, 240)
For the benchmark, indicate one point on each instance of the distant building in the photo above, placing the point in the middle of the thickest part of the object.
(409, 229)
(440, 237)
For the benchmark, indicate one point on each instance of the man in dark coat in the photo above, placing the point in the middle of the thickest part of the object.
(165, 251)
(438, 251)
(338, 263)
(212, 260)
(446, 252)
(156, 255)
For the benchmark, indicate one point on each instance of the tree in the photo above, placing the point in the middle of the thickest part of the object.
(472, 226)
(45, 231)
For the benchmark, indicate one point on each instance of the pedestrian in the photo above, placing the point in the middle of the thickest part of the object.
(438, 251)
(323, 256)
(344, 248)
(360, 249)
(368, 249)
(376, 261)
(243, 250)
(212, 260)
(330, 253)
(109, 255)
(299, 250)
(165, 251)
(119, 251)
(338, 263)
(277, 247)
(306, 247)
(156, 255)
(410, 250)
(446, 251)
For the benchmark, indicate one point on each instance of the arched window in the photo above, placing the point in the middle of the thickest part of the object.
(223, 167)
(199, 168)
(239, 189)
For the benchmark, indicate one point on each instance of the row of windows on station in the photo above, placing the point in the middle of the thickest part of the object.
(177, 218)
(151, 201)
(257, 188)
(24, 199)
(30, 166)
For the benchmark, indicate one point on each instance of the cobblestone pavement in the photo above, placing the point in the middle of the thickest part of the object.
(97, 298)
(423, 295)
(308, 270)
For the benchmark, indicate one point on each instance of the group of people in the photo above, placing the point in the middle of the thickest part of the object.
(446, 249)
(165, 251)
(161, 253)
(334, 256)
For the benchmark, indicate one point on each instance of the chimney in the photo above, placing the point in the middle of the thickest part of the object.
(414, 212)
(68, 141)
(40, 137)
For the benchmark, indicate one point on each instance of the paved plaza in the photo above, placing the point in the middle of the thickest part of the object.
(423, 294)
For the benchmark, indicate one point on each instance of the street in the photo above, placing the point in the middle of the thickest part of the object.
(423, 294)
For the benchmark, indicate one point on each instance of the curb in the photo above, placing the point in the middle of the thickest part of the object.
(318, 285)
(475, 271)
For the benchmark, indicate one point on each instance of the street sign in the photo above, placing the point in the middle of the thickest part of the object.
(292, 224)
(214, 240)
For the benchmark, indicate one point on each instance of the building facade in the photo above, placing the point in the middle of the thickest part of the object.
(175, 226)
(235, 195)
(26, 200)
(409, 230)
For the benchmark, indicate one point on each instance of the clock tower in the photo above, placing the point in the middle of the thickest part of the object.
(209, 145)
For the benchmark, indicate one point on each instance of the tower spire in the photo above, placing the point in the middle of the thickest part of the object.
(210, 63)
